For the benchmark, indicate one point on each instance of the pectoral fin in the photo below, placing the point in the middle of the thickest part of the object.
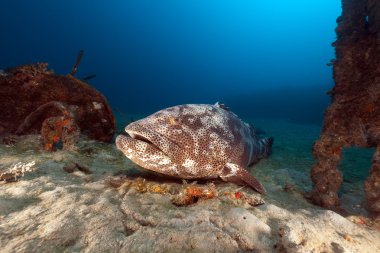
(236, 174)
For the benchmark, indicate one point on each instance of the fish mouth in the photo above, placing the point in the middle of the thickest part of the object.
(137, 136)
(139, 150)
(143, 138)
(146, 133)
(138, 132)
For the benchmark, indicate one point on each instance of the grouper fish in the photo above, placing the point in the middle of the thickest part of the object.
(196, 141)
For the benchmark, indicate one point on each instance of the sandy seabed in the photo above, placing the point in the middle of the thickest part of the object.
(50, 210)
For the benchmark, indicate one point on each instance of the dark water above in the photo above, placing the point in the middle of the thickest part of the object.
(262, 58)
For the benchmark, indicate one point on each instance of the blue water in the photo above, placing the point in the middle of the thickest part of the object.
(264, 58)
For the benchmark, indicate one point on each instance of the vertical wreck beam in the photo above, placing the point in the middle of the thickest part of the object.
(374, 17)
(372, 186)
(353, 118)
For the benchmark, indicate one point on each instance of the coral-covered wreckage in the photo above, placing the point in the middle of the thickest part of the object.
(35, 100)
(353, 118)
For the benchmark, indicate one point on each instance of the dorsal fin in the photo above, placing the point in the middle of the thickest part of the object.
(223, 106)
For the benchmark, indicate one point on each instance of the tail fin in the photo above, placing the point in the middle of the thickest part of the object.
(266, 147)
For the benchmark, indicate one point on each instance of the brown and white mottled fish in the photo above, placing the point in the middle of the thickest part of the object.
(196, 141)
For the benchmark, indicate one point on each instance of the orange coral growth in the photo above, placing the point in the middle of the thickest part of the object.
(191, 194)
(193, 191)
(198, 192)
(48, 146)
(186, 194)
(55, 129)
(336, 151)
(63, 122)
(368, 108)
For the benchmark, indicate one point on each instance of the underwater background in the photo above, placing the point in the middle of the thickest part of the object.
(264, 59)
(65, 186)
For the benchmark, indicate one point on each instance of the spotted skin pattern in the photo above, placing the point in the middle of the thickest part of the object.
(196, 141)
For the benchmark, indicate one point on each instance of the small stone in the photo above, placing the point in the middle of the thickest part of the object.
(70, 168)
(84, 169)
(249, 225)
(288, 187)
